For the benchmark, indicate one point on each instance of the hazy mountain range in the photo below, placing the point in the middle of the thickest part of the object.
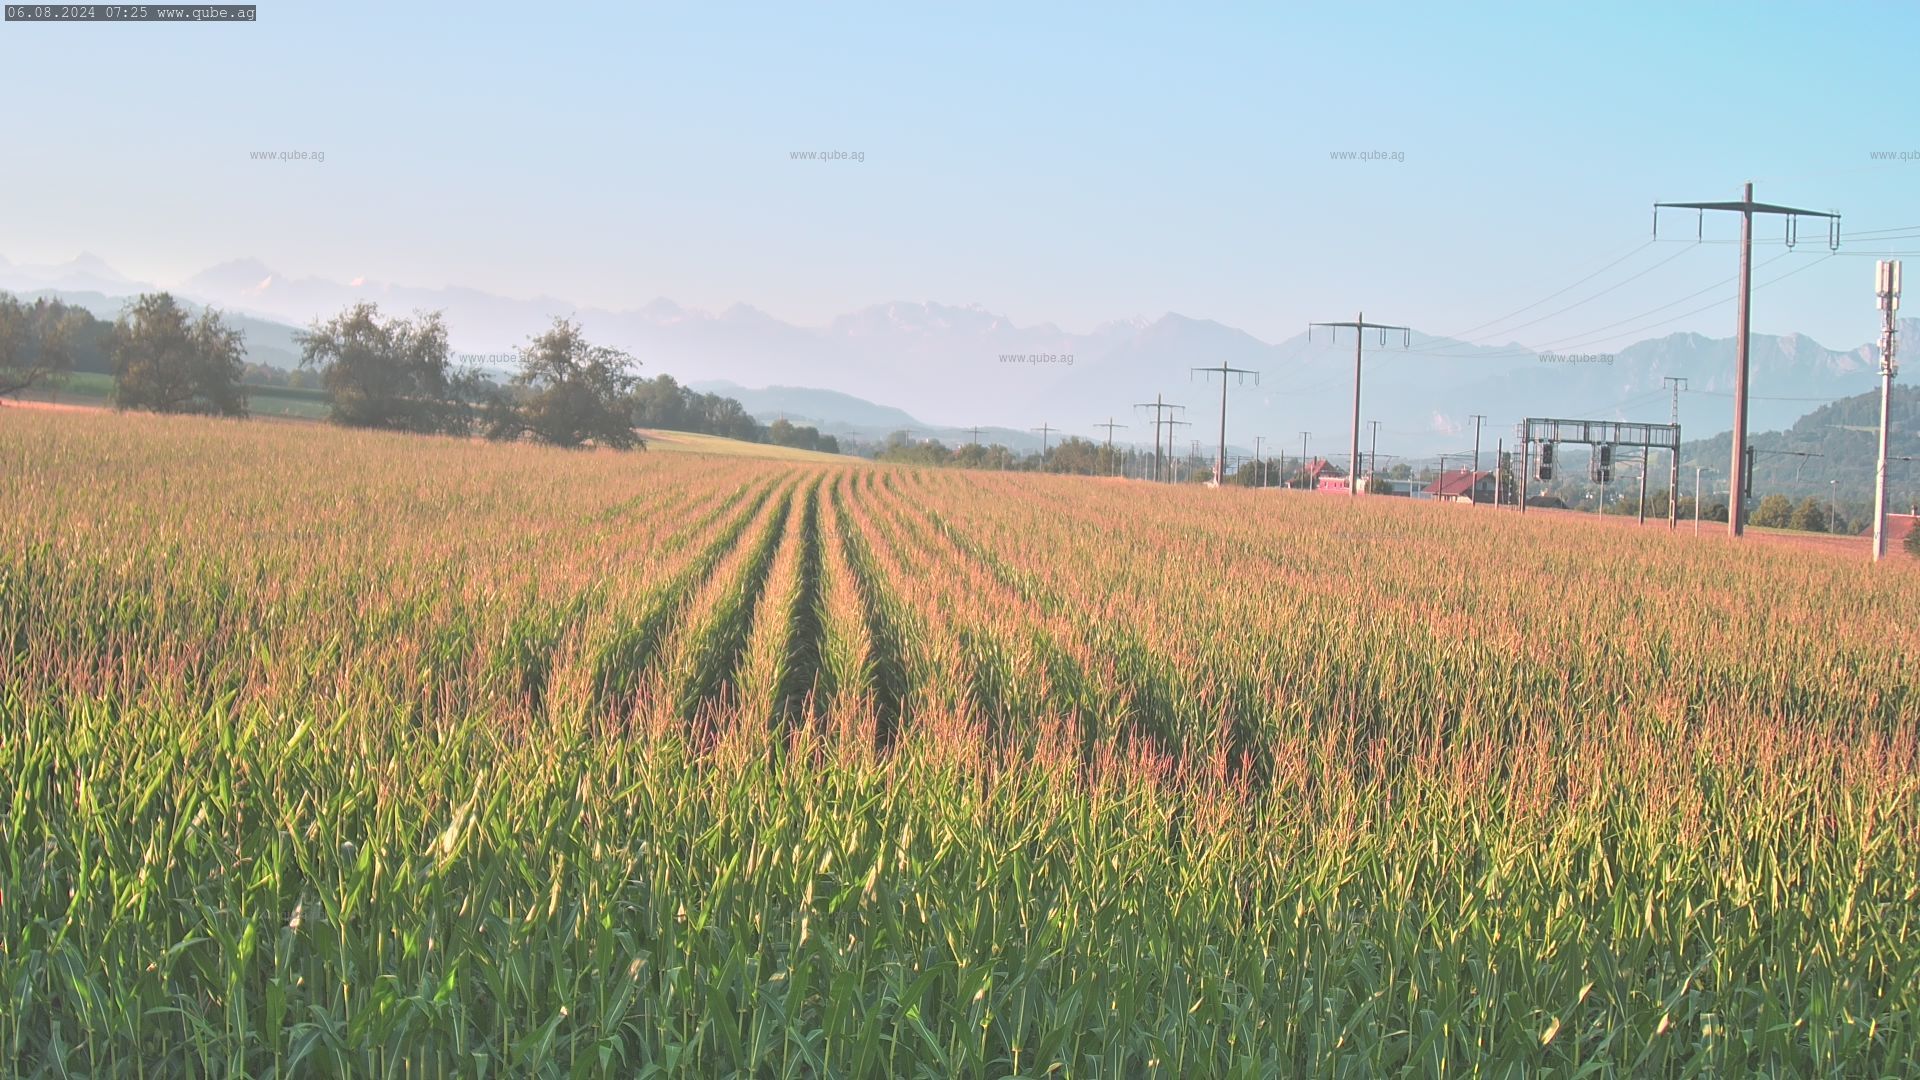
(938, 369)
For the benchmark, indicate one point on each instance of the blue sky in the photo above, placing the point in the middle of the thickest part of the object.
(1069, 164)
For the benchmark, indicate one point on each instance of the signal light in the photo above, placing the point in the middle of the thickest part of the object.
(1601, 469)
(1545, 469)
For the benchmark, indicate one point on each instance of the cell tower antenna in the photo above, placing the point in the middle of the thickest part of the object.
(1887, 288)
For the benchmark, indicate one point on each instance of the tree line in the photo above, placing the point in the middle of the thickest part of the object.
(385, 373)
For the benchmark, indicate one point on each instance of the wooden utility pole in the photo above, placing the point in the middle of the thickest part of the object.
(1160, 408)
(1746, 208)
(1220, 463)
(1044, 430)
(1360, 325)
(1109, 425)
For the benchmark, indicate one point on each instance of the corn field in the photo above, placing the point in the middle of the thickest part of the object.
(333, 753)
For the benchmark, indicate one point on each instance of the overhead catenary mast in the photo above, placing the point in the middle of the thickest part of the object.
(1373, 456)
(1473, 478)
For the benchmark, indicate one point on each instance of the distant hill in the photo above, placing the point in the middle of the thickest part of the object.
(835, 413)
(1844, 434)
(825, 409)
(937, 368)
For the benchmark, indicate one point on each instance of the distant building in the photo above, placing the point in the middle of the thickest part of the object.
(1898, 526)
(1319, 471)
(1462, 485)
(1386, 485)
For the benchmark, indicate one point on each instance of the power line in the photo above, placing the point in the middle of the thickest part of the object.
(1761, 397)
(1586, 339)
(1460, 335)
(1651, 311)
(1580, 303)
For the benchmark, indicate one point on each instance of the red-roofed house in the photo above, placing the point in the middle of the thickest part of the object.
(1898, 526)
(1462, 485)
(1320, 471)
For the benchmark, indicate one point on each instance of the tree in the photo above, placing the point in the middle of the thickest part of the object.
(167, 361)
(1913, 541)
(1076, 455)
(901, 447)
(975, 456)
(33, 343)
(1509, 489)
(1809, 516)
(390, 374)
(1775, 512)
(568, 392)
(660, 402)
